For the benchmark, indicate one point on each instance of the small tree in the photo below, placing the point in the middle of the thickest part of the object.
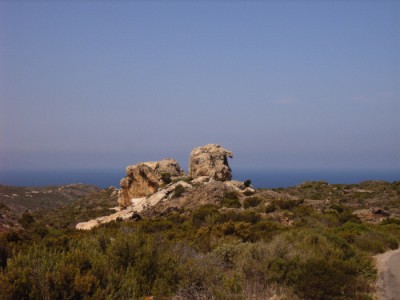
(247, 183)
(26, 220)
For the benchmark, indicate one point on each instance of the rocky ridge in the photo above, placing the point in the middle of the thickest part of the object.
(163, 183)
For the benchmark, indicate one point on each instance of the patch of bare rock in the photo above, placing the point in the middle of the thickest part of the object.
(372, 215)
(159, 186)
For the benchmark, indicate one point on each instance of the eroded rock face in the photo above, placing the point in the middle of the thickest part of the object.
(144, 179)
(210, 160)
(169, 166)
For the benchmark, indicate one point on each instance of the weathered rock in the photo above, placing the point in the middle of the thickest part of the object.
(372, 215)
(201, 180)
(169, 166)
(210, 160)
(136, 205)
(144, 179)
(209, 193)
(140, 181)
(236, 183)
(123, 215)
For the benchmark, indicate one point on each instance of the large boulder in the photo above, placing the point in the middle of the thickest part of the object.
(210, 160)
(168, 166)
(144, 179)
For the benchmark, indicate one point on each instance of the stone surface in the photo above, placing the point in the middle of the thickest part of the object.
(136, 206)
(236, 183)
(201, 180)
(372, 215)
(210, 160)
(170, 166)
(144, 179)
(140, 181)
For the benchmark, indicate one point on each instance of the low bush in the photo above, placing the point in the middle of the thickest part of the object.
(251, 202)
(166, 177)
(231, 200)
(248, 193)
(287, 204)
(178, 191)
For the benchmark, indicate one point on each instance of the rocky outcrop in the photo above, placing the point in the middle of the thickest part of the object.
(168, 166)
(136, 205)
(372, 215)
(212, 161)
(145, 178)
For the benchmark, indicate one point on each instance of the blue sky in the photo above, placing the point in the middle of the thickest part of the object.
(283, 84)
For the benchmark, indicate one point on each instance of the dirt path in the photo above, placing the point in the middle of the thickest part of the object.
(388, 283)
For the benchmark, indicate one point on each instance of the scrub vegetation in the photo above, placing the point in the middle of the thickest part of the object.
(240, 249)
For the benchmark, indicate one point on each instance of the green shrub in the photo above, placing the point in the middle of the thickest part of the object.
(178, 191)
(391, 221)
(251, 202)
(248, 193)
(287, 204)
(26, 220)
(270, 208)
(232, 203)
(231, 200)
(247, 183)
(205, 214)
(339, 208)
(319, 279)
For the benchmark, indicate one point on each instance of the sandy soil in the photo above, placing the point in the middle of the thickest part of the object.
(388, 282)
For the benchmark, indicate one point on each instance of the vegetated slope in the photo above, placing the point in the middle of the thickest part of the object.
(88, 207)
(288, 243)
(8, 219)
(16, 200)
(21, 199)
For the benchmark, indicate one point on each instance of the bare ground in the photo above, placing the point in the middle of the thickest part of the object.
(388, 281)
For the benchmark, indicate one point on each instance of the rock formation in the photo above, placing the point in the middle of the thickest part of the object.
(145, 178)
(136, 206)
(210, 160)
(153, 188)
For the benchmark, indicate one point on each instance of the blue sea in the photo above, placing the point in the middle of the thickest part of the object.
(259, 178)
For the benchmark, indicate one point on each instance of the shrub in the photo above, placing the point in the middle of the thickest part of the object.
(231, 200)
(205, 214)
(251, 202)
(339, 208)
(391, 221)
(247, 183)
(270, 208)
(26, 220)
(319, 279)
(248, 193)
(178, 191)
(287, 204)
(166, 177)
(232, 203)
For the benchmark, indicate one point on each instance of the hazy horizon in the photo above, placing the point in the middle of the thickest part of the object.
(282, 84)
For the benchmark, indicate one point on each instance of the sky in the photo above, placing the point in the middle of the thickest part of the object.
(282, 84)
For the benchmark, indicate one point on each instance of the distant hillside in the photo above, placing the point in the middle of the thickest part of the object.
(16, 200)
(90, 206)
(20, 199)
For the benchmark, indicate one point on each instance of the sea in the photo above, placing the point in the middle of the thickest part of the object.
(259, 178)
